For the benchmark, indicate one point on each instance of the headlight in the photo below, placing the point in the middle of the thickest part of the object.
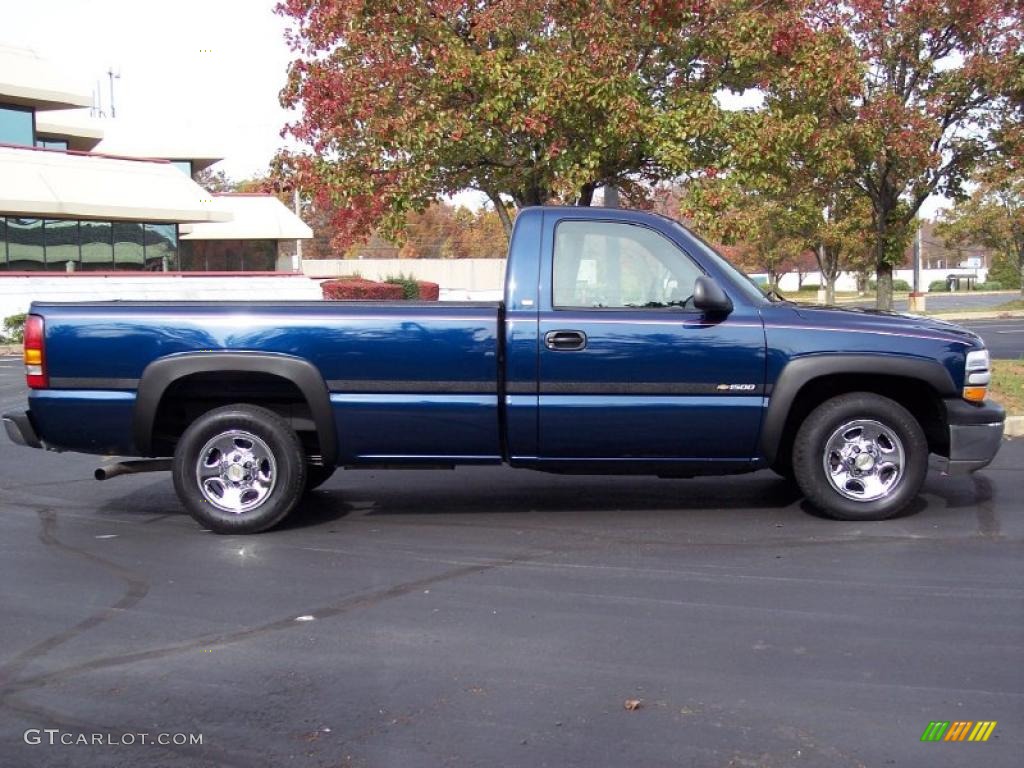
(976, 376)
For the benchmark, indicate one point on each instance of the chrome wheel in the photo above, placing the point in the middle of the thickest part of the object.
(864, 460)
(236, 471)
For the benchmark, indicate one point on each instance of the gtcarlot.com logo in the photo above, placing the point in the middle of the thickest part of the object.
(55, 736)
(958, 730)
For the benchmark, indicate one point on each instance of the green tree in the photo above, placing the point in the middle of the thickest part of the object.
(993, 216)
(917, 83)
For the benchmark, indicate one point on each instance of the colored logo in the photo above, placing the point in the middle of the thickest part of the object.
(959, 730)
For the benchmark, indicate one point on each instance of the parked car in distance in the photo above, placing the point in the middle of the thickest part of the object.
(625, 344)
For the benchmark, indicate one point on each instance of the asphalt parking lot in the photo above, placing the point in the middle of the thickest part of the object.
(1004, 337)
(493, 617)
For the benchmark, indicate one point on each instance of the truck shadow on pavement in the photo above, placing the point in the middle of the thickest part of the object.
(515, 492)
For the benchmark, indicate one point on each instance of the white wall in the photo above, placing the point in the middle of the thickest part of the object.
(848, 280)
(451, 274)
(16, 293)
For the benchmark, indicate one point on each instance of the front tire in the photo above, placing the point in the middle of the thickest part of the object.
(239, 469)
(860, 456)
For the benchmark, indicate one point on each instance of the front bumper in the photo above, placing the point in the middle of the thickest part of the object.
(19, 429)
(975, 433)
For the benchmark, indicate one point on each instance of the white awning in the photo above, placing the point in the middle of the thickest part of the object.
(31, 81)
(81, 132)
(47, 183)
(184, 138)
(254, 217)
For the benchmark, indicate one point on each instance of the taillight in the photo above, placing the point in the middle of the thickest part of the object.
(35, 353)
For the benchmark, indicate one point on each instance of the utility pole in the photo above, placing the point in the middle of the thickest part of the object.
(297, 261)
(917, 297)
(113, 76)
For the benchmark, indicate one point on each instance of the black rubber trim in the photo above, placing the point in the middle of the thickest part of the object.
(160, 374)
(802, 371)
(21, 430)
(961, 413)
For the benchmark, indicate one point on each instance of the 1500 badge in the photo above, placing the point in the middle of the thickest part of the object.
(736, 387)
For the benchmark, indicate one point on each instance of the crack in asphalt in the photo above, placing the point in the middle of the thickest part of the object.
(137, 589)
(330, 610)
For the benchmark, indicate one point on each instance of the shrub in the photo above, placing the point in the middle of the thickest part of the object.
(14, 328)
(898, 286)
(938, 286)
(428, 291)
(991, 285)
(1005, 271)
(410, 288)
(359, 289)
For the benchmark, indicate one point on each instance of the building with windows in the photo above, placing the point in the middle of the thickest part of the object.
(80, 199)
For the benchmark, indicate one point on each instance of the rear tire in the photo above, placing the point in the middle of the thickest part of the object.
(860, 456)
(239, 469)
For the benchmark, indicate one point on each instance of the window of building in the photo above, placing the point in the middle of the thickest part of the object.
(161, 247)
(97, 246)
(128, 246)
(17, 125)
(228, 255)
(617, 265)
(60, 237)
(185, 166)
(52, 143)
(25, 251)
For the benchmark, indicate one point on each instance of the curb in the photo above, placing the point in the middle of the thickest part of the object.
(1014, 426)
(1006, 313)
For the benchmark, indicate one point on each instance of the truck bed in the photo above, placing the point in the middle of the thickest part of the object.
(403, 377)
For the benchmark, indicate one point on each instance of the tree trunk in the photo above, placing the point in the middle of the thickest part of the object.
(883, 270)
(883, 300)
(586, 195)
(499, 208)
(830, 290)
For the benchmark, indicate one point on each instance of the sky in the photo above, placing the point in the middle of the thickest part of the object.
(208, 67)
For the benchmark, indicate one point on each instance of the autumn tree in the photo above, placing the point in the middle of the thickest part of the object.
(402, 103)
(918, 85)
(763, 231)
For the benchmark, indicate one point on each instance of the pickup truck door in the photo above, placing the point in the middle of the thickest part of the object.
(628, 369)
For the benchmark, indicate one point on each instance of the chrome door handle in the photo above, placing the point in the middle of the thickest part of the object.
(565, 341)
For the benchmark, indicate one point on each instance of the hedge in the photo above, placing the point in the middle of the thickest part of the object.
(394, 289)
(938, 286)
(897, 285)
(356, 288)
(991, 285)
(428, 291)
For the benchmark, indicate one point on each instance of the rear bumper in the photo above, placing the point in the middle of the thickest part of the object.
(18, 426)
(975, 433)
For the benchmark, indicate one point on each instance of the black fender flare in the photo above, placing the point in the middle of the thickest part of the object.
(161, 373)
(801, 371)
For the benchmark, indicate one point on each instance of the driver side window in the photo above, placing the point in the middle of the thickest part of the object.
(616, 265)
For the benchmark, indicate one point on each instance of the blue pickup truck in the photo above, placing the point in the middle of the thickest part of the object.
(625, 345)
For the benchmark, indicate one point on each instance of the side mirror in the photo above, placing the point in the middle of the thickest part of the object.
(709, 297)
